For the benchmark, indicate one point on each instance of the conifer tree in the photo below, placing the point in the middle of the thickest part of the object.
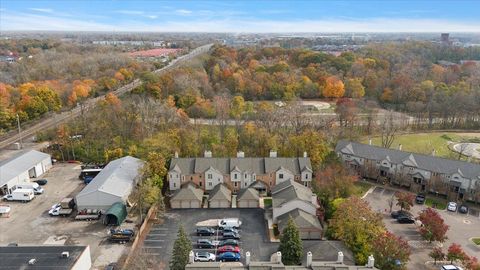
(291, 245)
(181, 250)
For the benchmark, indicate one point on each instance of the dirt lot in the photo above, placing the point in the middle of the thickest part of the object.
(30, 224)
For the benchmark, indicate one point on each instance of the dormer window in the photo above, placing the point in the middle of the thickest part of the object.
(280, 176)
(209, 176)
(235, 176)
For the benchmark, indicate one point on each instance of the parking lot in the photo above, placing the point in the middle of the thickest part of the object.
(254, 238)
(30, 224)
(462, 228)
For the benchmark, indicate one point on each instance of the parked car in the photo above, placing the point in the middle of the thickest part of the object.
(396, 214)
(204, 243)
(231, 235)
(41, 182)
(451, 267)
(205, 231)
(229, 229)
(203, 256)
(229, 257)
(229, 222)
(228, 249)
(452, 206)
(228, 242)
(405, 220)
(420, 199)
(463, 209)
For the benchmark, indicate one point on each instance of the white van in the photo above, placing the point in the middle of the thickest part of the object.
(37, 189)
(229, 222)
(451, 267)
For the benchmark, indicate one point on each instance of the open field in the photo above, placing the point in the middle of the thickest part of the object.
(424, 143)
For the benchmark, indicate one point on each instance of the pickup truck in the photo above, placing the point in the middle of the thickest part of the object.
(64, 208)
(121, 235)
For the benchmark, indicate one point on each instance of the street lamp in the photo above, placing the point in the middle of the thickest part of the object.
(19, 131)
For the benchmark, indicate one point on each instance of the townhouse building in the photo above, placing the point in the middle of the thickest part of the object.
(239, 172)
(458, 180)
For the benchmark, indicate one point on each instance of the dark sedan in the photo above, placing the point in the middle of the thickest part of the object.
(396, 214)
(405, 220)
(231, 235)
(229, 257)
(41, 182)
(204, 231)
(463, 209)
(229, 242)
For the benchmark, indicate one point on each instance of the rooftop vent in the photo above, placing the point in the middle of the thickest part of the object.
(65, 254)
(32, 261)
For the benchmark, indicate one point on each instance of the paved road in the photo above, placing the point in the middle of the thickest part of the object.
(56, 119)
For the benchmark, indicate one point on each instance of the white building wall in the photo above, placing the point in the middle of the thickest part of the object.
(174, 180)
(214, 179)
(287, 175)
(84, 262)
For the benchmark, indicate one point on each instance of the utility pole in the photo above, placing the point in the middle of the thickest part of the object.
(19, 131)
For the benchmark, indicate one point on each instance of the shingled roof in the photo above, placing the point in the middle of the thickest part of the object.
(248, 194)
(188, 192)
(425, 162)
(302, 220)
(288, 191)
(248, 164)
(220, 192)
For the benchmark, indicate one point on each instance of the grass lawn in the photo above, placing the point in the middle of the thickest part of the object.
(424, 143)
(267, 202)
(361, 188)
(440, 203)
(476, 241)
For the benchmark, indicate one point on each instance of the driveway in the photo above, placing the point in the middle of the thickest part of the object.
(462, 227)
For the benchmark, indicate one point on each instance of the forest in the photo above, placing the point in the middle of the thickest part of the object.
(50, 75)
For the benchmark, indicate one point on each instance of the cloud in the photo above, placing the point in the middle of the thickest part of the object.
(26, 21)
(129, 12)
(44, 10)
(183, 11)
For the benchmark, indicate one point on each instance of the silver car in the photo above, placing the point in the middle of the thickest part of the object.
(203, 256)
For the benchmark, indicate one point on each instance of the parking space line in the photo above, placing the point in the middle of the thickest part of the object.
(151, 240)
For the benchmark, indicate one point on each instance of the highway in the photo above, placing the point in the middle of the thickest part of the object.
(60, 118)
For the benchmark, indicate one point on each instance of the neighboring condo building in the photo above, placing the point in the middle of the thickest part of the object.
(240, 172)
(459, 180)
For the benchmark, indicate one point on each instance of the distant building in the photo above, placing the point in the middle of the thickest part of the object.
(240, 172)
(459, 180)
(445, 38)
(46, 257)
(22, 167)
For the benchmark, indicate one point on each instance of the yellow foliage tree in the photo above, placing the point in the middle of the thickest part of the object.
(334, 88)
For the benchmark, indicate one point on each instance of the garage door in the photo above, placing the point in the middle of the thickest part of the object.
(252, 204)
(214, 204)
(185, 204)
(175, 204)
(225, 204)
(242, 204)
(195, 204)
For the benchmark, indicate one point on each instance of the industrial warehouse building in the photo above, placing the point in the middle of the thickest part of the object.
(46, 257)
(113, 184)
(21, 168)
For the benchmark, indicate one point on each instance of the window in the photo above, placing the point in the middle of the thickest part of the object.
(305, 184)
(200, 183)
(174, 185)
(254, 177)
(280, 176)
(183, 178)
(235, 176)
(209, 176)
(235, 184)
(245, 176)
(306, 176)
(209, 184)
(191, 178)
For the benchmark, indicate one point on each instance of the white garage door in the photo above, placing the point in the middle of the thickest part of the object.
(195, 204)
(185, 204)
(252, 204)
(214, 204)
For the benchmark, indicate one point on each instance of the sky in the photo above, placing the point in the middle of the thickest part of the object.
(271, 16)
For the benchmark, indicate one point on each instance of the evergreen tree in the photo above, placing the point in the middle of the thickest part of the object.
(291, 245)
(181, 250)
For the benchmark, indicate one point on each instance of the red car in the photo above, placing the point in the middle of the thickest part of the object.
(228, 249)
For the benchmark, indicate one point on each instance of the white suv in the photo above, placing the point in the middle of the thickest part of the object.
(450, 267)
(229, 222)
(203, 256)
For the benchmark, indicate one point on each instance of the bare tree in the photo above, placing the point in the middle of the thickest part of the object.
(389, 130)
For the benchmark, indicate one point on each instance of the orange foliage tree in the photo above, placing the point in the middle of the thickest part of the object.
(334, 87)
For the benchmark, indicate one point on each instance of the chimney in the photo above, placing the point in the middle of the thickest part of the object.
(279, 257)
(32, 261)
(240, 154)
(65, 254)
(371, 261)
(191, 257)
(340, 257)
(207, 153)
(247, 258)
(176, 154)
(370, 141)
(305, 154)
(273, 153)
(400, 147)
(433, 152)
(309, 259)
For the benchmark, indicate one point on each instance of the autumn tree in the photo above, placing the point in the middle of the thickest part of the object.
(405, 200)
(456, 253)
(357, 225)
(290, 244)
(433, 226)
(334, 87)
(390, 252)
(437, 254)
(354, 88)
(181, 250)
